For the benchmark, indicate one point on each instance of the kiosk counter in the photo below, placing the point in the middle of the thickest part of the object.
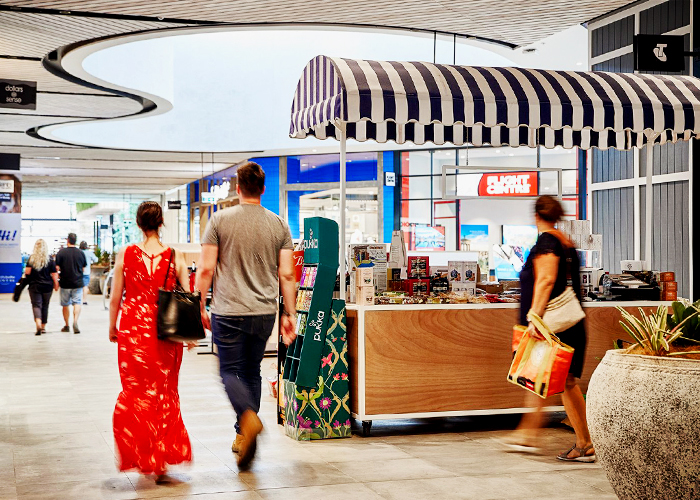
(434, 360)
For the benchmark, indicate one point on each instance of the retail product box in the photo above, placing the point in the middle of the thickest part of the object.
(439, 285)
(580, 227)
(669, 286)
(470, 271)
(364, 295)
(586, 277)
(491, 287)
(455, 270)
(564, 226)
(394, 274)
(669, 296)
(396, 286)
(374, 254)
(578, 240)
(322, 412)
(632, 265)
(667, 276)
(397, 250)
(468, 287)
(510, 284)
(418, 266)
(592, 242)
(418, 286)
(364, 276)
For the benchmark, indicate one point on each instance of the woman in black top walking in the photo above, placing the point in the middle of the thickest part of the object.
(552, 261)
(43, 280)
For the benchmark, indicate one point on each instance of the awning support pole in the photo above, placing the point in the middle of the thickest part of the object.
(649, 201)
(341, 218)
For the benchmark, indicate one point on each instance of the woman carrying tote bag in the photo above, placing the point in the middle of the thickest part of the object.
(148, 429)
(545, 290)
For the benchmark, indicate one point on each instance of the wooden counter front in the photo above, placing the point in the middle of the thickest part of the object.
(440, 360)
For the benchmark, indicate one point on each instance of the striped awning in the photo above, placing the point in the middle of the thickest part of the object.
(423, 102)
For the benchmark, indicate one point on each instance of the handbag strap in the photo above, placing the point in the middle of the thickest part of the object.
(170, 264)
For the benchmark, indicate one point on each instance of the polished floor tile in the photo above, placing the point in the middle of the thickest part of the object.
(57, 394)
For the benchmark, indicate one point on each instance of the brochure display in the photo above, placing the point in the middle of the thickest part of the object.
(315, 373)
(323, 412)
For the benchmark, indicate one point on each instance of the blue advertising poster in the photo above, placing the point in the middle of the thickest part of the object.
(10, 253)
(508, 261)
(474, 237)
(429, 238)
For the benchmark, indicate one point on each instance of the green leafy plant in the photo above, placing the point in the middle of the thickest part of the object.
(102, 256)
(683, 309)
(653, 333)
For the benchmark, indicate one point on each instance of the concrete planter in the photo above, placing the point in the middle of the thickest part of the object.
(644, 417)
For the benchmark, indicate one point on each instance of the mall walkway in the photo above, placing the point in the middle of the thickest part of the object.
(57, 393)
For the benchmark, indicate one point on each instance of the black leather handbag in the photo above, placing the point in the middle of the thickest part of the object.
(179, 315)
(19, 288)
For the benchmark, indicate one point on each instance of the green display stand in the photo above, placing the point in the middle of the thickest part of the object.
(320, 261)
(323, 412)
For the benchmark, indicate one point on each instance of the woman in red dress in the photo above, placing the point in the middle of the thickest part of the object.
(148, 429)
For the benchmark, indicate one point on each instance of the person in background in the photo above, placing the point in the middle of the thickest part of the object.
(543, 278)
(70, 262)
(91, 258)
(148, 429)
(247, 251)
(43, 280)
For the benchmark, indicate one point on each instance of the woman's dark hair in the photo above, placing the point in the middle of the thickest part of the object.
(149, 216)
(251, 179)
(83, 245)
(548, 208)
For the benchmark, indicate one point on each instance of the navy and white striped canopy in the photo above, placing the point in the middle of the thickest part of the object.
(423, 102)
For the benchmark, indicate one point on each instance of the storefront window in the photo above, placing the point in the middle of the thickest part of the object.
(326, 168)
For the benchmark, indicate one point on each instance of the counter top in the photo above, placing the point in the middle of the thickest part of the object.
(510, 305)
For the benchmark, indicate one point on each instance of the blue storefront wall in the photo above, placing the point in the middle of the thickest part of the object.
(314, 169)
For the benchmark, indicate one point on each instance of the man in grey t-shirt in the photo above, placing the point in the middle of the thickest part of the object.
(247, 252)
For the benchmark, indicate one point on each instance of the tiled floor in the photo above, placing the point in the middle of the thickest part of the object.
(57, 393)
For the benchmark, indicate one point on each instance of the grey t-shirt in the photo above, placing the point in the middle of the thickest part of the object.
(249, 238)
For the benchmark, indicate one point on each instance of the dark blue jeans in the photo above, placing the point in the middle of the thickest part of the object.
(241, 344)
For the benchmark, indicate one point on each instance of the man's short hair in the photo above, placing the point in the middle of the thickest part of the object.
(72, 238)
(251, 179)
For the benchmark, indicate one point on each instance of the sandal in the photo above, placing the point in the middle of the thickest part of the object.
(582, 457)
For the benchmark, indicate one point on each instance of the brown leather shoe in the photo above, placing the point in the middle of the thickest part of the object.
(236, 446)
(250, 426)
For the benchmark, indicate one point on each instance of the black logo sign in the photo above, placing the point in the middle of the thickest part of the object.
(17, 94)
(659, 53)
(174, 204)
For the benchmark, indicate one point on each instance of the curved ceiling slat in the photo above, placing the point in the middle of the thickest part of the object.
(511, 21)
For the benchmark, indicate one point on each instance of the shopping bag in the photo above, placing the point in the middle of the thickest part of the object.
(518, 332)
(541, 366)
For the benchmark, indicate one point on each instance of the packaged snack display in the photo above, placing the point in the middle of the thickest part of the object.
(418, 267)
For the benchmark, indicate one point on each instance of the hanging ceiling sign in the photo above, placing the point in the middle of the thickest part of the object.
(17, 94)
(174, 204)
(659, 53)
(509, 184)
(463, 183)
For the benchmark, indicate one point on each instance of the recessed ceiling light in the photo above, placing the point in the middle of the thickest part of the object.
(313, 150)
(511, 154)
(579, 63)
(498, 151)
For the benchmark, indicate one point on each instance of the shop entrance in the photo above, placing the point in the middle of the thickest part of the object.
(362, 220)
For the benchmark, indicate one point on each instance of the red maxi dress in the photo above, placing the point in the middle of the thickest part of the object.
(148, 429)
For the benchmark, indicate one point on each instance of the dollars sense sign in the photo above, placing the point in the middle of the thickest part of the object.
(17, 94)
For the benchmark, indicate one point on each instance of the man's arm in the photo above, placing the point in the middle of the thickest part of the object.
(205, 274)
(288, 285)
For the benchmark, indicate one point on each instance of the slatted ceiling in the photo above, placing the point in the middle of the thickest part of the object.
(77, 106)
(34, 71)
(102, 167)
(512, 21)
(22, 123)
(20, 139)
(35, 35)
(173, 178)
(51, 151)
